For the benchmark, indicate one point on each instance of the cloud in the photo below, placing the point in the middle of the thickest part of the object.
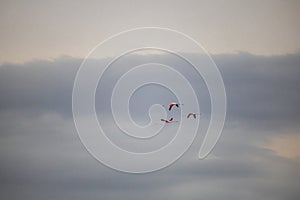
(262, 88)
(43, 158)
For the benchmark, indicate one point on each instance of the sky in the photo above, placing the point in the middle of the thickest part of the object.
(255, 46)
(49, 29)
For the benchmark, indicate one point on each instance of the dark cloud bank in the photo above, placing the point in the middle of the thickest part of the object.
(42, 157)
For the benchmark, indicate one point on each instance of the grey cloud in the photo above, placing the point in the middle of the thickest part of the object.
(42, 157)
(258, 87)
(262, 87)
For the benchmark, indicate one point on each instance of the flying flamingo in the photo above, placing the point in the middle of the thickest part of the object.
(168, 120)
(192, 114)
(174, 104)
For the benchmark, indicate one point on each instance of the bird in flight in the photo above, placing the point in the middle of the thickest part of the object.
(192, 114)
(174, 104)
(168, 120)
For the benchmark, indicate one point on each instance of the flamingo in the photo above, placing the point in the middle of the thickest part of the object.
(168, 120)
(174, 104)
(192, 114)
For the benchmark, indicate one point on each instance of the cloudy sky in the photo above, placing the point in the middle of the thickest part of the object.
(255, 45)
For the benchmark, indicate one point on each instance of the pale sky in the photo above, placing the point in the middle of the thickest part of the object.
(42, 46)
(49, 29)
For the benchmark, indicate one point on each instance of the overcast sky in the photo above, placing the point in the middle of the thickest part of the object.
(256, 47)
(47, 29)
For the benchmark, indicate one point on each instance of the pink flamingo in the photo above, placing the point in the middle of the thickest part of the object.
(168, 120)
(192, 114)
(174, 104)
